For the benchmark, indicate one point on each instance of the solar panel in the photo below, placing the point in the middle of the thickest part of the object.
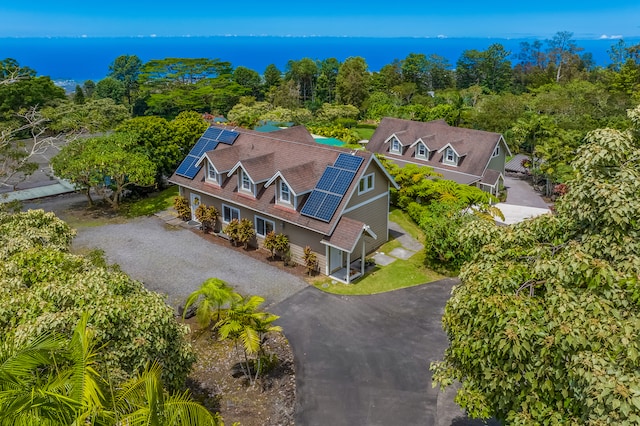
(342, 182)
(328, 178)
(207, 142)
(348, 162)
(328, 207)
(313, 203)
(228, 137)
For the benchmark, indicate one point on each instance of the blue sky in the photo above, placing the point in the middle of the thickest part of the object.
(460, 18)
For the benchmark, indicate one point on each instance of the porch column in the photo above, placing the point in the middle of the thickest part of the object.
(326, 260)
(348, 267)
(362, 259)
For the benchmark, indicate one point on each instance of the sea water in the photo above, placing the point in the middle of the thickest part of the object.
(88, 58)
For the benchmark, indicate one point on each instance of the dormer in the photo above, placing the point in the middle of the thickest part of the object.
(212, 175)
(246, 185)
(422, 150)
(450, 156)
(395, 146)
(284, 193)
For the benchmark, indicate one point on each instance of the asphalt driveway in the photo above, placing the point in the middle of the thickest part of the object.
(364, 360)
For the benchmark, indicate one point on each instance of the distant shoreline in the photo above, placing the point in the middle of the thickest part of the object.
(88, 58)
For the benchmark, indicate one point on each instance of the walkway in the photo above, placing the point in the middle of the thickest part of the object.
(523, 202)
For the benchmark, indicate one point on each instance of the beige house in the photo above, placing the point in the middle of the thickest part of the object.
(333, 200)
(467, 156)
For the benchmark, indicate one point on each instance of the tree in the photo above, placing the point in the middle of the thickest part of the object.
(245, 324)
(489, 68)
(47, 289)
(304, 73)
(272, 77)
(110, 88)
(126, 69)
(108, 165)
(562, 51)
(248, 78)
(212, 295)
(542, 329)
(352, 82)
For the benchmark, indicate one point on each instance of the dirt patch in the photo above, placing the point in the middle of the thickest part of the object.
(269, 401)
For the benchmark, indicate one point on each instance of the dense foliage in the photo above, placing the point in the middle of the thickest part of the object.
(544, 327)
(44, 288)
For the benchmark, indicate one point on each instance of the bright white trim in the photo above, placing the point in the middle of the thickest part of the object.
(216, 178)
(364, 203)
(265, 220)
(231, 215)
(366, 183)
(426, 151)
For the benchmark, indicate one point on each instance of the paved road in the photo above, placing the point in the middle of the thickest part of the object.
(520, 193)
(363, 360)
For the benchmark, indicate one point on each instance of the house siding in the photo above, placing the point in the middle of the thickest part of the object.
(369, 214)
(497, 163)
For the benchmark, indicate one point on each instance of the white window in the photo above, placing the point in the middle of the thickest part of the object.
(212, 175)
(450, 157)
(395, 146)
(245, 182)
(264, 226)
(366, 183)
(421, 151)
(496, 151)
(229, 213)
(285, 193)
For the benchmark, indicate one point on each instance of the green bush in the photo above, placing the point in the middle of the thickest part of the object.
(44, 288)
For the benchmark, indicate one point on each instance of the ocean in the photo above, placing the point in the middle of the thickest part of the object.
(81, 59)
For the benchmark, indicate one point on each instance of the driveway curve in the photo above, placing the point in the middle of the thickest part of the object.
(364, 360)
(175, 261)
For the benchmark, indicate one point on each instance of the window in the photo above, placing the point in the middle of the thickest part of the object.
(245, 182)
(264, 226)
(229, 213)
(496, 151)
(395, 146)
(450, 157)
(366, 183)
(421, 151)
(285, 193)
(212, 175)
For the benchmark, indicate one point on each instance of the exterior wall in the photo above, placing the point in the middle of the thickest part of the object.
(380, 186)
(376, 215)
(299, 237)
(497, 163)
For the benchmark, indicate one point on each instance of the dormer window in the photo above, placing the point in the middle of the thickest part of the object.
(245, 182)
(212, 174)
(396, 147)
(285, 193)
(421, 151)
(450, 157)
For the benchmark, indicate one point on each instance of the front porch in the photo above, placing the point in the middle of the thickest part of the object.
(355, 271)
(341, 249)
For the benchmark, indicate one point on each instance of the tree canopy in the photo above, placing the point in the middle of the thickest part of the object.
(544, 328)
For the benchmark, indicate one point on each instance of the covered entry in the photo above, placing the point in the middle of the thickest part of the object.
(344, 256)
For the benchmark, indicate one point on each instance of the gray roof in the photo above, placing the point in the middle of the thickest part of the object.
(475, 147)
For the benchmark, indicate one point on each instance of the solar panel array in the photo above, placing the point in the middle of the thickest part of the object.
(208, 141)
(332, 186)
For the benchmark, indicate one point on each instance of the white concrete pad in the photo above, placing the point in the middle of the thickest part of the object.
(515, 214)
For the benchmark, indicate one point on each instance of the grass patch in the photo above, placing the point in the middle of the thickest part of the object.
(399, 274)
(364, 132)
(152, 204)
(404, 220)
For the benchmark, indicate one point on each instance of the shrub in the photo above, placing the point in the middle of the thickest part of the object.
(310, 260)
(207, 216)
(44, 288)
(181, 204)
(270, 243)
(233, 231)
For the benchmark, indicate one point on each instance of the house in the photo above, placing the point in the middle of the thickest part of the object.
(333, 200)
(467, 156)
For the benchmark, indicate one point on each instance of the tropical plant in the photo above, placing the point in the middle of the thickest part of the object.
(544, 327)
(233, 231)
(310, 260)
(207, 216)
(270, 243)
(212, 295)
(181, 204)
(245, 232)
(244, 324)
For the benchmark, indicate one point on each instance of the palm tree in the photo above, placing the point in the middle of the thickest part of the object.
(212, 295)
(246, 324)
(54, 381)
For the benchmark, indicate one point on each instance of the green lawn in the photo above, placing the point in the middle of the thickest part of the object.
(152, 204)
(399, 274)
(365, 133)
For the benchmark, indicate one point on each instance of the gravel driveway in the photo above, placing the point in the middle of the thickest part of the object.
(175, 261)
